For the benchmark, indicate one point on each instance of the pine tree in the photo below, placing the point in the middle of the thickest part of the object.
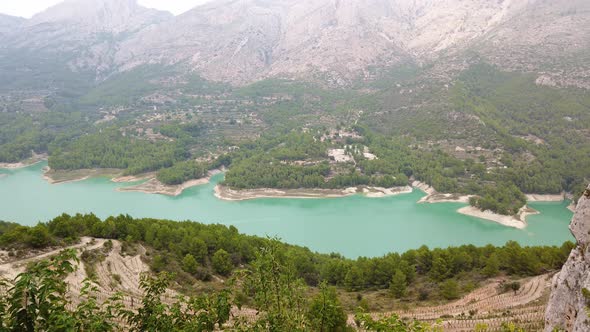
(397, 286)
(189, 264)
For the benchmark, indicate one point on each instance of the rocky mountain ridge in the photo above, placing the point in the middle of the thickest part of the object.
(242, 41)
(86, 33)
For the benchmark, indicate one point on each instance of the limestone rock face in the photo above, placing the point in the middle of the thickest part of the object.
(85, 32)
(241, 41)
(568, 307)
(335, 41)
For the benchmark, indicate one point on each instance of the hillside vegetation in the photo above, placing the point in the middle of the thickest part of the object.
(266, 274)
(491, 134)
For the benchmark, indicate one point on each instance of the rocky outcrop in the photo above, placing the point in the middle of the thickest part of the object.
(570, 292)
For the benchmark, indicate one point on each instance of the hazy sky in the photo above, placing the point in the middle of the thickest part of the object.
(27, 8)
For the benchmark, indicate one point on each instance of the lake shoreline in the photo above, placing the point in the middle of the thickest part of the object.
(379, 225)
(546, 197)
(154, 186)
(35, 159)
(68, 176)
(516, 221)
(433, 196)
(150, 184)
(228, 194)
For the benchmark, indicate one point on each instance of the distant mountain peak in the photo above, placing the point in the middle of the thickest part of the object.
(9, 23)
(101, 15)
(336, 41)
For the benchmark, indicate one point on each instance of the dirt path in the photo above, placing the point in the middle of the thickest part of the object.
(10, 270)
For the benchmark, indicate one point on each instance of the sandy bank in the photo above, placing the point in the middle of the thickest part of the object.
(37, 158)
(133, 178)
(374, 192)
(545, 197)
(424, 187)
(518, 221)
(65, 176)
(432, 196)
(445, 198)
(153, 186)
(228, 194)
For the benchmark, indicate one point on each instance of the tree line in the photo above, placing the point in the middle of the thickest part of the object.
(196, 251)
(37, 300)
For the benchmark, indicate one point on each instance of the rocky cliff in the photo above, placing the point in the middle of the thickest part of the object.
(569, 303)
(245, 40)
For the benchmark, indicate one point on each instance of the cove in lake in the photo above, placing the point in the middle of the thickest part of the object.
(353, 226)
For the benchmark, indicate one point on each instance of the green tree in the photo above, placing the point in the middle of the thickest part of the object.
(39, 236)
(492, 267)
(153, 314)
(449, 289)
(392, 324)
(325, 313)
(277, 292)
(440, 269)
(511, 327)
(37, 302)
(397, 286)
(354, 279)
(222, 262)
(515, 286)
(91, 316)
(189, 264)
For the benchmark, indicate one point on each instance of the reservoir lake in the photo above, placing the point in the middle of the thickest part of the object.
(353, 226)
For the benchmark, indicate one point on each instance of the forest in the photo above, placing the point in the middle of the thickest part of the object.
(538, 134)
(221, 250)
(110, 149)
(269, 162)
(182, 172)
(266, 274)
(21, 133)
(38, 301)
(505, 199)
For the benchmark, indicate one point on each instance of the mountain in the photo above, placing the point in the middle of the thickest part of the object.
(246, 40)
(333, 41)
(102, 16)
(9, 23)
(85, 33)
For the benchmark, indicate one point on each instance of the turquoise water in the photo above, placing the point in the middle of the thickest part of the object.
(354, 226)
